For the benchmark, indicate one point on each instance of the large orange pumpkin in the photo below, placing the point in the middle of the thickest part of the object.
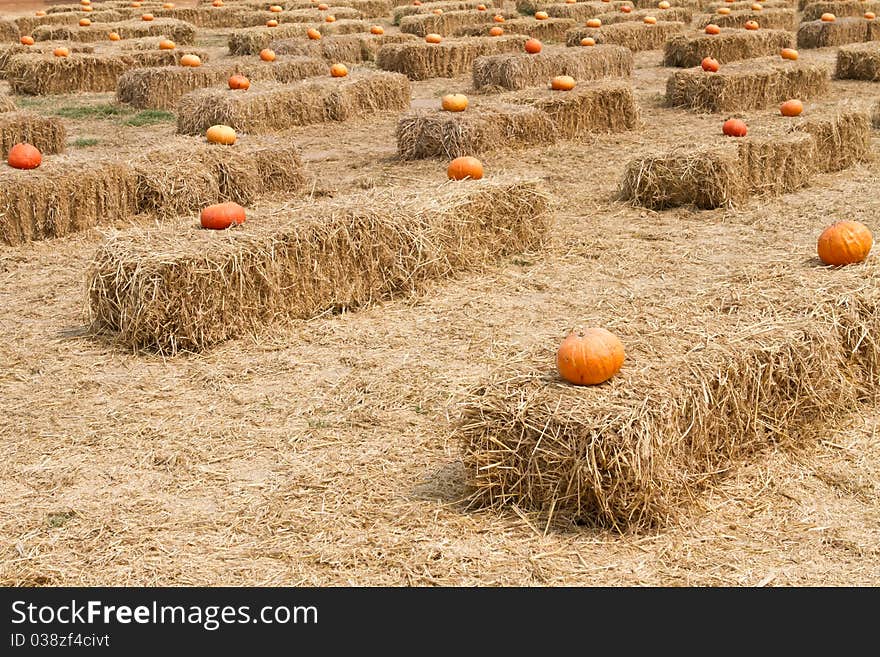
(454, 102)
(24, 156)
(222, 215)
(465, 167)
(221, 134)
(844, 243)
(589, 356)
(792, 107)
(533, 46)
(267, 55)
(239, 81)
(734, 128)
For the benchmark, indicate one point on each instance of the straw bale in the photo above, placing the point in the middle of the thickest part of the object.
(178, 31)
(842, 134)
(447, 59)
(730, 46)
(841, 9)
(27, 24)
(46, 133)
(161, 88)
(531, 6)
(673, 14)
(521, 70)
(767, 19)
(9, 30)
(581, 11)
(250, 41)
(749, 84)
(428, 7)
(635, 36)
(181, 288)
(349, 48)
(819, 34)
(859, 62)
(277, 107)
(548, 30)
(446, 23)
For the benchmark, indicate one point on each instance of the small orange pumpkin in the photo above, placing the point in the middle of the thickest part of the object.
(84, 22)
(113, 36)
(338, 70)
(711, 28)
(276, 9)
(377, 29)
(587, 41)
(221, 134)
(541, 15)
(724, 11)
(663, 5)
(437, 11)
(61, 51)
(533, 46)
(272, 23)
(594, 22)
(590, 356)
(147, 17)
(267, 55)
(27, 40)
(562, 83)
(710, 65)
(734, 128)
(40, 13)
(24, 156)
(481, 7)
(330, 18)
(625, 9)
(844, 243)
(221, 216)
(751, 25)
(313, 34)
(789, 53)
(217, 3)
(756, 6)
(870, 15)
(498, 18)
(190, 60)
(649, 20)
(166, 44)
(465, 167)
(454, 102)
(792, 107)
(168, 5)
(496, 31)
(239, 81)
(828, 17)
(323, 6)
(433, 38)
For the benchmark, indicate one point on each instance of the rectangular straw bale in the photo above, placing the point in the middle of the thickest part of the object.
(858, 62)
(181, 288)
(581, 11)
(348, 48)
(819, 34)
(693, 5)
(547, 30)
(749, 84)
(230, 15)
(447, 59)
(250, 41)
(46, 133)
(767, 19)
(635, 36)
(688, 50)
(277, 107)
(428, 7)
(187, 174)
(673, 14)
(746, 5)
(310, 15)
(178, 31)
(64, 195)
(521, 70)
(446, 23)
(841, 9)
(776, 164)
(161, 88)
(842, 134)
(41, 75)
(27, 24)
(436, 133)
(633, 453)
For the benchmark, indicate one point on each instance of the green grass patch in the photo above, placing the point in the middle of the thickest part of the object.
(149, 117)
(92, 111)
(85, 142)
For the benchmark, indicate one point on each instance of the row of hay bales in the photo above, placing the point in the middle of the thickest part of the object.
(10, 50)
(519, 119)
(514, 71)
(447, 59)
(428, 7)
(767, 19)
(70, 193)
(251, 40)
(635, 36)
(233, 17)
(821, 34)
(772, 160)
(32, 74)
(179, 288)
(840, 8)
(178, 31)
(367, 8)
(269, 107)
(784, 351)
(688, 50)
(162, 88)
(749, 84)
(548, 30)
(448, 22)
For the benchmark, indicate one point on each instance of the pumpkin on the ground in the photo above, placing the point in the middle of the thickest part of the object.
(844, 243)
(465, 167)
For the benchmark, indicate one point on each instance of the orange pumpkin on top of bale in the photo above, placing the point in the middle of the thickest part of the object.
(221, 216)
(24, 156)
(465, 167)
(589, 356)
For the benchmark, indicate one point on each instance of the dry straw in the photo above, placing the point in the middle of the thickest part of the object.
(730, 46)
(859, 62)
(521, 70)
(635, 36)
(161, 88)
(821, 34)
(447, 59)
(47, 134)
(178, 31)
(842, 135)
(41, 75)
(349, 48)
(531, 6)
(746, 5)
(9, 30)
(673, 14)
(730, 374)
(551, 29)
(840, 8)
(749, 84)
(581, 11)
(274, 107)
(447, 22)
(181, 288)
(450, 5)
(252, 40)
(27, 24)
(8, 51)
(767, 19)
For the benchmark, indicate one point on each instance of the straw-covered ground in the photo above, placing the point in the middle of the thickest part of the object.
(341, 449)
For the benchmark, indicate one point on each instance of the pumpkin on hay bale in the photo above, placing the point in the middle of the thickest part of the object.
(635, 36)
(451, 58)
(686, 51)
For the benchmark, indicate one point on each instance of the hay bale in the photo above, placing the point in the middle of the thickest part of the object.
(842, 135)
(188, 174)
(252, 40)
(8, 51)
(27, 24)
(746, 5)
(631, 454)
(428, 7)
(635, 36)
(348, 48)
(485, 127)
(581, 11)
(446, 23)
(9, 30)
(42, 75)
(531, 6)
(182, 288)
(48, 133)
(277, 107)
(447, 59)
(673, 14)
(858, 62)
(161, 88)
(771, 165)
(687, 51)
(842, 9)
(548, 30)
(768, 19)
(178, 31)
(819, 34)
(521, 70)
(66, 194)
(693, 5)
(749, 84)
